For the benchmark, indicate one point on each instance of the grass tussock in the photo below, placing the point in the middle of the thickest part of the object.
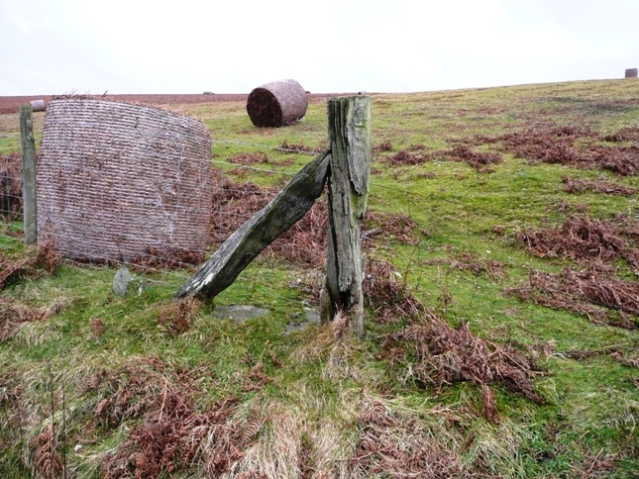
(14, 270)
(400, 444)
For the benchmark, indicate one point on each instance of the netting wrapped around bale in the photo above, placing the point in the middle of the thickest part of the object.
(277, 104)
(117, 181)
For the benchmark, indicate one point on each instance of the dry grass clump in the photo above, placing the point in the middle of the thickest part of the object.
(44, 261)
(392, 444)
(177, 317)
(433, 354)
(171, 435)
(14, 316)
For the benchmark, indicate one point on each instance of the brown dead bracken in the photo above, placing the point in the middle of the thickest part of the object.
(434, 354)
(571, 146)
(386, 293)
(582, 238)
(591, 293)
(177, 317)
(576, 186)
(169, 434)
(44, 261)
(396, 445)
(10, 185)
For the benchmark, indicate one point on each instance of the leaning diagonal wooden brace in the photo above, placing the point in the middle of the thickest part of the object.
(290, 204)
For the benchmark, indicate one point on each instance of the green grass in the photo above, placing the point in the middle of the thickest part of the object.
(306, 397)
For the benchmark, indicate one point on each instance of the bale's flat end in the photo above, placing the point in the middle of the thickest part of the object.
(264, 109)
(277, 104)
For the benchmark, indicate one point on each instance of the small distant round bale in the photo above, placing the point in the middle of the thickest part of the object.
(277, 104)
(38, 105)
(632, 72)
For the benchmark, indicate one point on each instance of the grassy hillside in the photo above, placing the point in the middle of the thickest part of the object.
(502, 311)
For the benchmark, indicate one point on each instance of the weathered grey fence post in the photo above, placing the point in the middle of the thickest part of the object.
(28, 175)
(350, 146)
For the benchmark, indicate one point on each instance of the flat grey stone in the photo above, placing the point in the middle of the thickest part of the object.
(121, 281)
(310, 317)
(239, 313)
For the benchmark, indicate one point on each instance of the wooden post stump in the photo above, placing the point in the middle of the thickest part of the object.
(350, 146)
(29, 205)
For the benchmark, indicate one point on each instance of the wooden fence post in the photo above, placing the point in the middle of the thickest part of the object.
(350, 145)
(28, 175)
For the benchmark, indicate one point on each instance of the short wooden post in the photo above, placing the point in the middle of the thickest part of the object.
(28, 175)
(350, 145)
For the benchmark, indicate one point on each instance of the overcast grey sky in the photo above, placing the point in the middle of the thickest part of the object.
(232, 46)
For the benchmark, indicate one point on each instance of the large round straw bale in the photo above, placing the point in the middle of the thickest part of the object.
(118, 181)
(632, 72)
(277, 104)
